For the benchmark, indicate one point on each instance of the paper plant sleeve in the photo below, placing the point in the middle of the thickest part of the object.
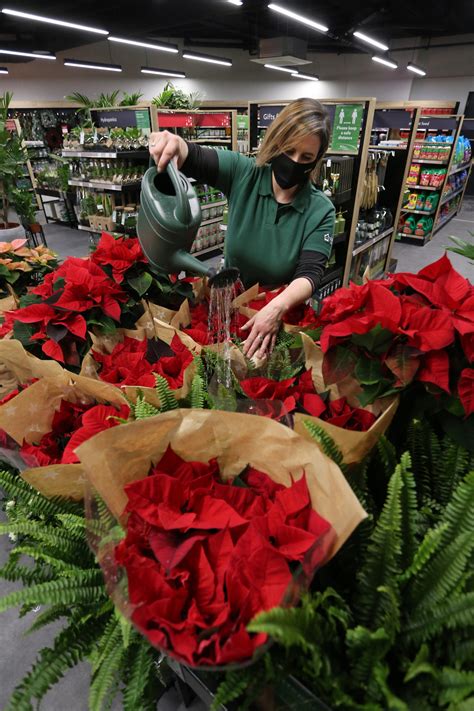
(114, 458)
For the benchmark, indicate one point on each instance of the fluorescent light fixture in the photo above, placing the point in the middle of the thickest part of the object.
(235, 2)
(3, 70)
(27, 54)
(280, 69)
(52, 21)
(207, 58)
(371, 40)
(298, 18)
(413, 68)
(311, 77)
(160, 47)
(163, 72)
(387, 62)
(80, 63)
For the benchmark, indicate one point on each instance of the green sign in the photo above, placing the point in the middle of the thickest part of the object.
(242, 122)
(143, 118)
(346, 127)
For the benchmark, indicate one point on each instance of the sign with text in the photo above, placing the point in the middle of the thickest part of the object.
(127, 118)
(346, 127)
(267, 114)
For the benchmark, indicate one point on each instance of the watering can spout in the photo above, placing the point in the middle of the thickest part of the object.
(168, 221)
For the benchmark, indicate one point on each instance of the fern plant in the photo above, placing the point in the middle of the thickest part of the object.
(65, 579)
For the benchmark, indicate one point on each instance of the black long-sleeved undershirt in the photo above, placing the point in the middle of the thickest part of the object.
(203, 164)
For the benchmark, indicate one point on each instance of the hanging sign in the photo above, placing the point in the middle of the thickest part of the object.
(346, 127)
(242, 122)
(126, 118)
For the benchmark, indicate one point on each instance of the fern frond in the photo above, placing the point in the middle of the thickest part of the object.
(427, 622)
(459, 513)
(84, 588)
(418, 447)
(198, 395)
(166, 395)
(443, 573)
(387, 455)
(70, 647)
(454, 465)
(59, 566)
(409, 506)
(365, 648)
(230, 689)
(139, 668)
(13, 572)
(456, 685)
(429, 545)
(110, 638)
(143, 409)
(106, 677)
(326, 443)
(382, 563)
(18, 489)
(52, 614)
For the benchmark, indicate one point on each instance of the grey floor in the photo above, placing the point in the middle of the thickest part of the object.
(18, 652)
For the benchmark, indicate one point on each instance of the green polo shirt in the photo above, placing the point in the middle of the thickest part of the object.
(264, 240)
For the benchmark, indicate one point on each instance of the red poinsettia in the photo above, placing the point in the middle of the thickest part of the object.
(203, 557)
(303, 315)
(306, 396)
(259, 388)
(119, 253)
(72, 424)
(172, 367)
(341, 414)
(466, 390)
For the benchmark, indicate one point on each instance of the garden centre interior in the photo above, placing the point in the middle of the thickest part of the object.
(170, 563)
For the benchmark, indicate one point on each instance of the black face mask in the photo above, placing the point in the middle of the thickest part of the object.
(289, 173)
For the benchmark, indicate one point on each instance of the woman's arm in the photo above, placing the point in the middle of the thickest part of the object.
(265, 324)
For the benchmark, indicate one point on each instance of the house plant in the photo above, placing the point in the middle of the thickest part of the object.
(12, 158)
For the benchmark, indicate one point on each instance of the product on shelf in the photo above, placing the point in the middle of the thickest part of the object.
(424, 226)
(411, 203)
(462, 151)
(409, 225)
(420, 202)
(414, 174)
(431, 202)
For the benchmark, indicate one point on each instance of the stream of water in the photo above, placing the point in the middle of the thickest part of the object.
(221, 325)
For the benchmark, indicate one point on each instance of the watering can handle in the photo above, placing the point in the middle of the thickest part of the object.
(182, 211)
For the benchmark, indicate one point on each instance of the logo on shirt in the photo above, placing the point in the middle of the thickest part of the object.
(328, 237)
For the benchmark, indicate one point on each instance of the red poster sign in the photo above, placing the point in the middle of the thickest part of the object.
(183, 120)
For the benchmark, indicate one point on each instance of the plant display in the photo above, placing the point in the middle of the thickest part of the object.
(466, 249)
(12, 159)
(25, 206)
(173, 98)
(22, 267)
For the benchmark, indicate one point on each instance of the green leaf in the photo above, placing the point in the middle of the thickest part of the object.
(368, 371)
(23, 332)
(403, 362)
(376, 341)
(141, 283)
(420, 665)
(107, 324)
(370, 393)
(338, 363)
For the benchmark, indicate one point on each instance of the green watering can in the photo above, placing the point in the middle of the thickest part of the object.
(168, 221)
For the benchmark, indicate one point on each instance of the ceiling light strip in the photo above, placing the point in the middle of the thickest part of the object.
(417, 70)
(235, 2)
(207, 58)
(386, 62)
(27, 54)
(280, 69)
(3, 70)
(163, 72)
(370, 40)
(82, 64)
(53, 21)
(299, 18)
(311, 77)
(159, 47)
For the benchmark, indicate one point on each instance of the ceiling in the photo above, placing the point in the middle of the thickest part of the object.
(214, 25)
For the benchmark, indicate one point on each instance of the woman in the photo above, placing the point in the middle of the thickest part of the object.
(280, 227)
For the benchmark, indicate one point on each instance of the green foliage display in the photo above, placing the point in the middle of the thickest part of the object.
(173, 98)
(12, 160)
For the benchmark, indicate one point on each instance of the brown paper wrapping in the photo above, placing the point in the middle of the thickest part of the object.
(113, 459)
(29, 416)
(17, 366)
(354, 446)
(9, 303)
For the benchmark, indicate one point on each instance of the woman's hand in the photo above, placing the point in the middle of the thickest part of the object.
(263, 328)
(165, 146)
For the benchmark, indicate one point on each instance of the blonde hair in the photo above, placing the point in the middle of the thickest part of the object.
(297, 120)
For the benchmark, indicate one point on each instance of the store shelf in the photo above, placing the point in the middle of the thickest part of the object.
(417, 240)
(422, 187)
(388, 148)
(104, 185)
(370, 242)
(33, 144)
(51, 192)
(104, 154)
(214, 248)
(85, 228)
(449, 197)
(458, 168)
(211, 221)
(207, 205)
(419, 212)
(431, 162)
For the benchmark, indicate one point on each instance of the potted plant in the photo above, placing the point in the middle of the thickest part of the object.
(12, 159)
(25, 206)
